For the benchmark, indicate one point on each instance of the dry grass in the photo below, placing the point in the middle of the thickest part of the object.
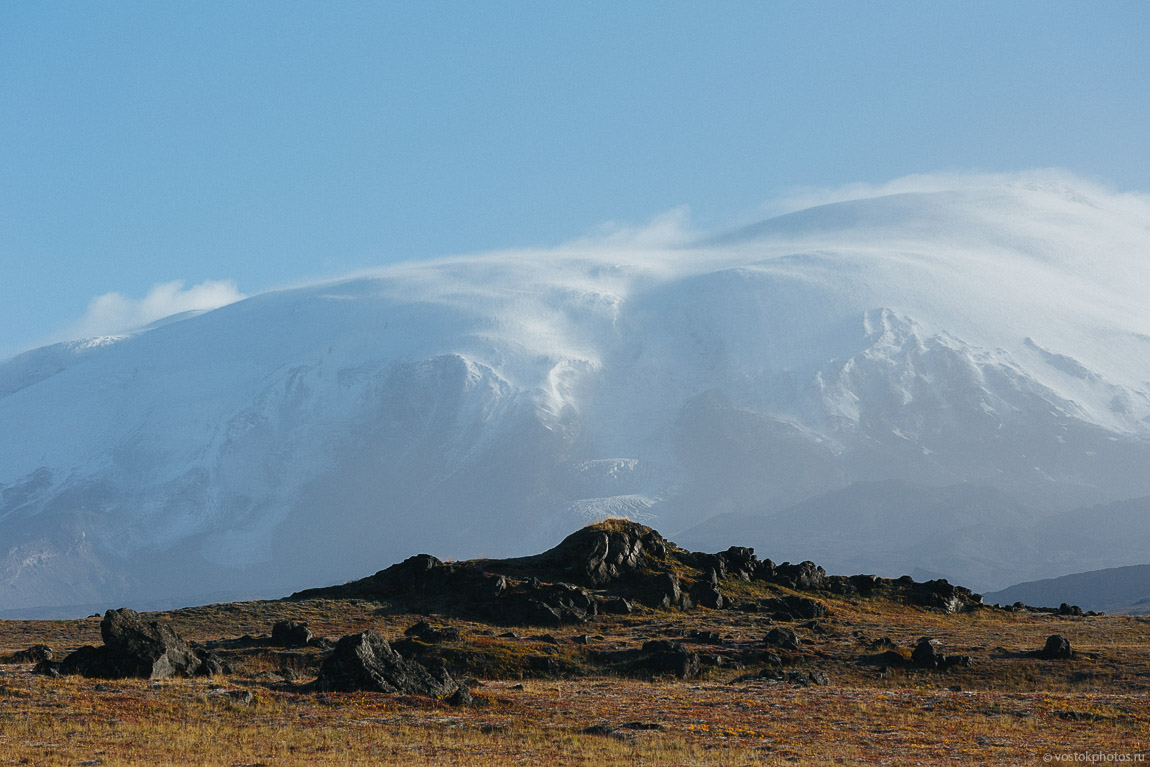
(1011, 709)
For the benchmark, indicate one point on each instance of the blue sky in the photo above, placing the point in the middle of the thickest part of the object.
(253, 145)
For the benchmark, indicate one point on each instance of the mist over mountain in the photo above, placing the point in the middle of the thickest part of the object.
(993, 337)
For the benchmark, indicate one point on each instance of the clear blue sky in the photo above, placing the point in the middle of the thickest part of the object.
(275, 142)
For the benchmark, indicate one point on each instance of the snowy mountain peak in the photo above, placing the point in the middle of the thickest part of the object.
(994, 335)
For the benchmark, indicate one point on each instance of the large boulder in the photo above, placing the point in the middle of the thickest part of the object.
(783, 637)
(1057, 647)
(366, 662)
(928, 654)
(291, 634)
(134, 647)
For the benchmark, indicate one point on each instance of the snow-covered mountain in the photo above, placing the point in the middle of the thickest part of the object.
(994, 334)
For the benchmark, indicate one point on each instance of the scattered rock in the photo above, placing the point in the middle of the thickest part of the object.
(463, 697)
(665, 656)
(793, 608)
(782, 637)
(425, 632)
(291, 634)
(615, 606)
(367, 662)
(1057, 648)
(37, 653)
(928, 654)
(806, 678)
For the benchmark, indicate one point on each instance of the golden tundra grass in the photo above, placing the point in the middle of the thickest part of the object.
(1010, 709)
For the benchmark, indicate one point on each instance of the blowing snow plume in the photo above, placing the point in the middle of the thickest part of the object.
(977, 352)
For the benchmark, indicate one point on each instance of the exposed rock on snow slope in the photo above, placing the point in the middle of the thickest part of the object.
(995, 335)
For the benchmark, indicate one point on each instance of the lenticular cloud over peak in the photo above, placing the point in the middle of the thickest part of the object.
(989, 334)
(114, 313)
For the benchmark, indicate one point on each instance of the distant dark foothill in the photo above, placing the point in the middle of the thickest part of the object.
(1057, 648)
(366, 662)
(610, 566)
(134, 647)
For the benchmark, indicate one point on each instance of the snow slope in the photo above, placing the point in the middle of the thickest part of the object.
(995, 334)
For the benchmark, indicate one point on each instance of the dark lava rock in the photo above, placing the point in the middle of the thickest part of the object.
(793, 608)
(806, 678)
(926, 654)
(664, 656)
(708, 595)
(782, 637)
(805, 576)
(615, 606)
(367, 662)
(37, 653)
(133, 648)
(425, 632)
(661, 591)
(1057, 648)
(291, 634)
(211, 664)
(1068, 609)
(463, 697)
(705, 637)
(940, 594)
(888, 658)
(598, 557)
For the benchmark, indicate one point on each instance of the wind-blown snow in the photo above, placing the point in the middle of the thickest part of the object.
(994, 332)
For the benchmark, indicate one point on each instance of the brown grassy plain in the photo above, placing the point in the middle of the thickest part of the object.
(1005, 709)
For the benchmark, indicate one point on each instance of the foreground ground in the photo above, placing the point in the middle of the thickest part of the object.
(1007, 708)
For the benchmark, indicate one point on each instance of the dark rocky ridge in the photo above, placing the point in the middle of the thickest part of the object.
(608, 567)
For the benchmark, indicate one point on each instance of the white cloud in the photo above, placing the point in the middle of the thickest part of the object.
(1048, 178)
(115, 313)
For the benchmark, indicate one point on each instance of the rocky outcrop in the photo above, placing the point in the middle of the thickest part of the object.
(939, 594)
(134, 647)
(366, 662)
(612, 565)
